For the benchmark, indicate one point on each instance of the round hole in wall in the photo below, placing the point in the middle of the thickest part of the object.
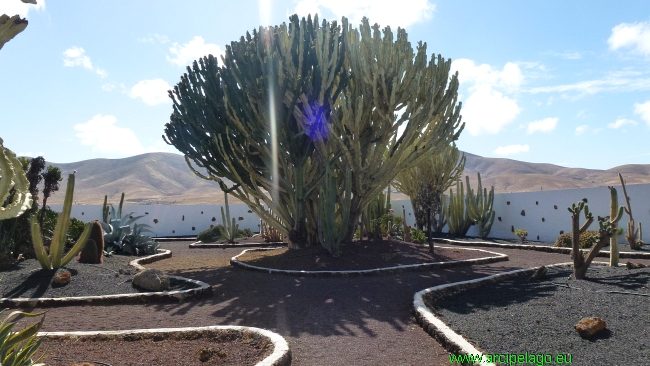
(146, 213)
(499, 218)
(512, 228)
(241, 218)
(201, 212)
(183, 219)
(543, 219)
(250, 211)
(536, 202)
(82, 214)
(173, 231)
(584, 200)
(155, 221)
(214, 219)
(523, 212)
(555, 207)
(561, 232)
(193, 228)
(537, 237)
(508, 203)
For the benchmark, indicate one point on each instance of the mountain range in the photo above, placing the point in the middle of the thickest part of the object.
(164, 178)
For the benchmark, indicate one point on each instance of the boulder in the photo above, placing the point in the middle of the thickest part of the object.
(151, 280)
(587, 327)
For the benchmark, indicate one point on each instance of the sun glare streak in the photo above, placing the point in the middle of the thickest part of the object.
(265, 12)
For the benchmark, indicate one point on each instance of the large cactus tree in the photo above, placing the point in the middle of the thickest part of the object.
(14, 186)
(255, 120)
(10, 26)
(389, 77)
(426, 183)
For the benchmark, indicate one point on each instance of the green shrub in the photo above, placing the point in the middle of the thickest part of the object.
(587, 239)
(214, 234)
(17, 349)
(418, 236)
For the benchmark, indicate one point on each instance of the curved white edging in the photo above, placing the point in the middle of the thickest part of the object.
(199, 291)
(281, 355)
(414, 267)
(449, 339)
(202, 245)
(543, 248)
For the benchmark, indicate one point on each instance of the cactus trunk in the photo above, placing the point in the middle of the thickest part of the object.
(479, 207)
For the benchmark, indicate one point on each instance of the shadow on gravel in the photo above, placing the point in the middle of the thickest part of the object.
(328, 306)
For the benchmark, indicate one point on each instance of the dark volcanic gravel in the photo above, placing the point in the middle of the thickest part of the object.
(27, 280)
(518, 316)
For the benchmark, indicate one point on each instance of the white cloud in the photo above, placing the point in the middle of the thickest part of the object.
(30, 154)
(510, 77)
(193, 50)
(571, 55)
(613, 82)
(161, 38)
(621, 122)
(544, 125)
(511, 149)
(636, 35)
(108, 86)
(487, 110)
(384, 13)
(17, 7)
(581, 129)
(152, 92)
(102, 134)
(76, 56)
(643, 110)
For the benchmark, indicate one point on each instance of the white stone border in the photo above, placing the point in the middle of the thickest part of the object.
(202, 245)
(541, 248)
(405, 268)
(449, 339)
(281, 355)
(202, 289)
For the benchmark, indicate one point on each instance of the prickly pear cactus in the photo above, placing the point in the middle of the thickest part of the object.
(12, 176)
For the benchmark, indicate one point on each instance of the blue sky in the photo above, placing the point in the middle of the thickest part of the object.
(558, 82)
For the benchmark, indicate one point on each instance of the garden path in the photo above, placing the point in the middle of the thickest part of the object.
(326, 321)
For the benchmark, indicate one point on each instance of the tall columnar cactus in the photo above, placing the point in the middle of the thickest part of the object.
(56, 259)
(12, 176)
(615, 214)
(607, 229)
(479, 207)
(229, 228)
(632, 230)
(329, 232)
(458, 219)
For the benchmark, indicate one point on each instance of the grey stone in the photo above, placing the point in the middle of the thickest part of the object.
(151, 280)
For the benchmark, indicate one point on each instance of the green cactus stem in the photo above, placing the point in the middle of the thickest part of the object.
(56, 259)
(330, 234)
(615, 214)
(229, 227)
(632, 230)
(479, 207)
(458, 220)
(13, 176)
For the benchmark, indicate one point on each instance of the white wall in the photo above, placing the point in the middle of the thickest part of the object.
(537, 206)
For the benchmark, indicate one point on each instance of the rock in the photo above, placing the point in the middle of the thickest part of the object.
(61, 278)
(539, 274)
(151, 280)
(587, 327)
(388, 256)
(631, 265)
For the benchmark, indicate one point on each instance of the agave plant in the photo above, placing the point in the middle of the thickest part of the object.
(138, 244)
(13, 352)
(117, 227)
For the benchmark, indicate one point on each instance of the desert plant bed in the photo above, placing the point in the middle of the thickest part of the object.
(252, 241)
(27, 280)
(358, 255)
(519, 315)
(194, 347)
